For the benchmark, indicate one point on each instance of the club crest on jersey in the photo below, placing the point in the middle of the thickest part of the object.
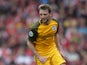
(54, 28)
(31, 33)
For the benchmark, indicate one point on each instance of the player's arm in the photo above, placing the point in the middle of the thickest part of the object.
(57, 40)
(32, 48)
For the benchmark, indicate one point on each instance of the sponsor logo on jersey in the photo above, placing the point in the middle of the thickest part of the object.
(31, 33)
(54, 28)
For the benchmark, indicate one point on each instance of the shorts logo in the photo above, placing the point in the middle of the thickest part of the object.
(54, 28)
(31, 33)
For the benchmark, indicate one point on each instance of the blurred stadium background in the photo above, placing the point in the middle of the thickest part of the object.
(16, 16)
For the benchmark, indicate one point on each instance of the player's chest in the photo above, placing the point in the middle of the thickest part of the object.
(45, 30)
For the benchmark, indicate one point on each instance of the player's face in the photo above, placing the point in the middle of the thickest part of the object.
(44, 15)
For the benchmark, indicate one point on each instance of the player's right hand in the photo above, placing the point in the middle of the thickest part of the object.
(42, 59)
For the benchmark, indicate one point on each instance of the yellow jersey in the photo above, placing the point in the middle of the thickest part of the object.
(45, 43)
(43, 37)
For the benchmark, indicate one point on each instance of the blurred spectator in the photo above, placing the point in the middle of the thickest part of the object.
(72, 56)
(84, 55)
(82, 25)
(44, 1)
(22, 57)
(2, 61)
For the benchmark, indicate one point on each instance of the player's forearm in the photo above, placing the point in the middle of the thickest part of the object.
(31, 47)
(57, 40)
(58, 43)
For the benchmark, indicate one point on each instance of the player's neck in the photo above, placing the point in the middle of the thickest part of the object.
(47, 22)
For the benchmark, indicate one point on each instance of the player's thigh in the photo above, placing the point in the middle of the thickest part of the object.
(57, 59)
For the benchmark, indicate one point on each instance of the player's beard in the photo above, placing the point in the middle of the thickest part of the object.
(44, 20)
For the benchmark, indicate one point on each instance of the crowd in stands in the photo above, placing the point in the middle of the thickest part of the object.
(16, 16)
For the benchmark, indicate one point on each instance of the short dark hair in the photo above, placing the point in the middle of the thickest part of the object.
(45, 7)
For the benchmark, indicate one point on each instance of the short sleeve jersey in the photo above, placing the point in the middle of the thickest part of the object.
(45, 42)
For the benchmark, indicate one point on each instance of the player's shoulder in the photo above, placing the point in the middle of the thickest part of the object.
(55, 21)
(35, 25)
(33, 34)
